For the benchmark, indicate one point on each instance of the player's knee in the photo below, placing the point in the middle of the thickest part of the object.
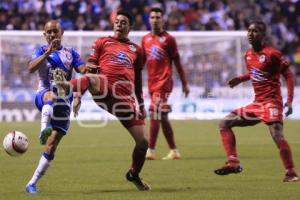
(143, 144)
(50, 96)
(224, 124)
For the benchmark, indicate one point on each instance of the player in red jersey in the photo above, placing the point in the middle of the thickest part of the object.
(117, 87)
(265, 65)
(160, 51)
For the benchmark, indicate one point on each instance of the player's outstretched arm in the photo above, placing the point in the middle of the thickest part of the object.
(36, 63)
(289, 77)
(237, 80)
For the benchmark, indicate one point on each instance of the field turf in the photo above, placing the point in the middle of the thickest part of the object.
(91, 164)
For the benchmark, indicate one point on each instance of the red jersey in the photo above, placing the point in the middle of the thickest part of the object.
(159, 51)
(120, 61)
(265, 68)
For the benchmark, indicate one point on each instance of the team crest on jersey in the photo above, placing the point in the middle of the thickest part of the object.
(132, 48)
(162, 39)
(262, 58)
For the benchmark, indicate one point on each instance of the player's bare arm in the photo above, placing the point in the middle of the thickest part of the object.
(36, 63)
(179, 68)
(289, 78)
(237, 80)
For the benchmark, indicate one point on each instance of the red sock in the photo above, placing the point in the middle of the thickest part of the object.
(80, 84)
(138, 159)
(286, 154)
(229, 144)
(168, 132)
(154, 129)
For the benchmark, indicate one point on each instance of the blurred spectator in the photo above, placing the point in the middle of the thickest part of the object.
(282, 17)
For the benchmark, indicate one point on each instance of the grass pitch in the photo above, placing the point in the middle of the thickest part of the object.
(91, 164)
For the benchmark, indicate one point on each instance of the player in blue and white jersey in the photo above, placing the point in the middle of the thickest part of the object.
(55, 109)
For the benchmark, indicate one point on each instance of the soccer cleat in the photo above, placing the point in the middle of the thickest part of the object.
(172, 155)
(60, 81)
(45, 134)
(31, 188)
(291, 177)
(150, 155)
(229, 168)
(136, 180)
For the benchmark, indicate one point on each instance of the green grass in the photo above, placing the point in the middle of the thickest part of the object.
(91, 163)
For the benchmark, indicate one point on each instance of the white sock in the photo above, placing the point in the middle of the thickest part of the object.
(40, 170)
(46, 114)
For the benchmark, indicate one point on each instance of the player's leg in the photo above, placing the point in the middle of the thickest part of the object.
(60, 123)
(44, 101)
(138, 133)
(92, 82)
(169, 135)
(154, 130)
(229, 143)
(276, 130)
(154, 125)
(45, 160)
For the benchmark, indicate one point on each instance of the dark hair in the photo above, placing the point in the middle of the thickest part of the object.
(261, 24)
(126, 14)
(157, 9)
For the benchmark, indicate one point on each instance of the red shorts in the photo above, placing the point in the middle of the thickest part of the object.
(119, 102)
(159, 102)
(265, 112)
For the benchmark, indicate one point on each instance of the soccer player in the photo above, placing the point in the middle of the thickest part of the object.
(160, 51)
(55, 111)
(264, 67)
(117, 87)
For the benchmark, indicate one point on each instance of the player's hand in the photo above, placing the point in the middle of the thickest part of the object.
(53, 46)
(76, 106)
(186, 90)
(289, 109)
(234, 82)
(91, 68)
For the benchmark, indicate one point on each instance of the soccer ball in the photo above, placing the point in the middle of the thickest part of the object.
(15, 143)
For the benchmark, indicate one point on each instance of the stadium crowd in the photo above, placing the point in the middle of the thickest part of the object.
(282, 17)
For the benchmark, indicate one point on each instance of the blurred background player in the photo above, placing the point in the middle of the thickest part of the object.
(265, 65)
(117, 87)
(160, 51)
(55, 111)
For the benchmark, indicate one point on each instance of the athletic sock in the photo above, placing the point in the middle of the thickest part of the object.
(229, 143)
(154, 129)
(138, 160)
(46, 114)
(80, 84)
(286, 155)
(168, 133)
(42, 167)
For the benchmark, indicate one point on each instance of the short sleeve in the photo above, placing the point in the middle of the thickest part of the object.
(37, 53)
(172, 47)
(279, 60)
(77, 61)
(96, 51)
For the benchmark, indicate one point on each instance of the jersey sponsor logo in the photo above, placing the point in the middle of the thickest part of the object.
(258, 75)
(155, 53)
(132, 48)
(262, 59)
(121, 59)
